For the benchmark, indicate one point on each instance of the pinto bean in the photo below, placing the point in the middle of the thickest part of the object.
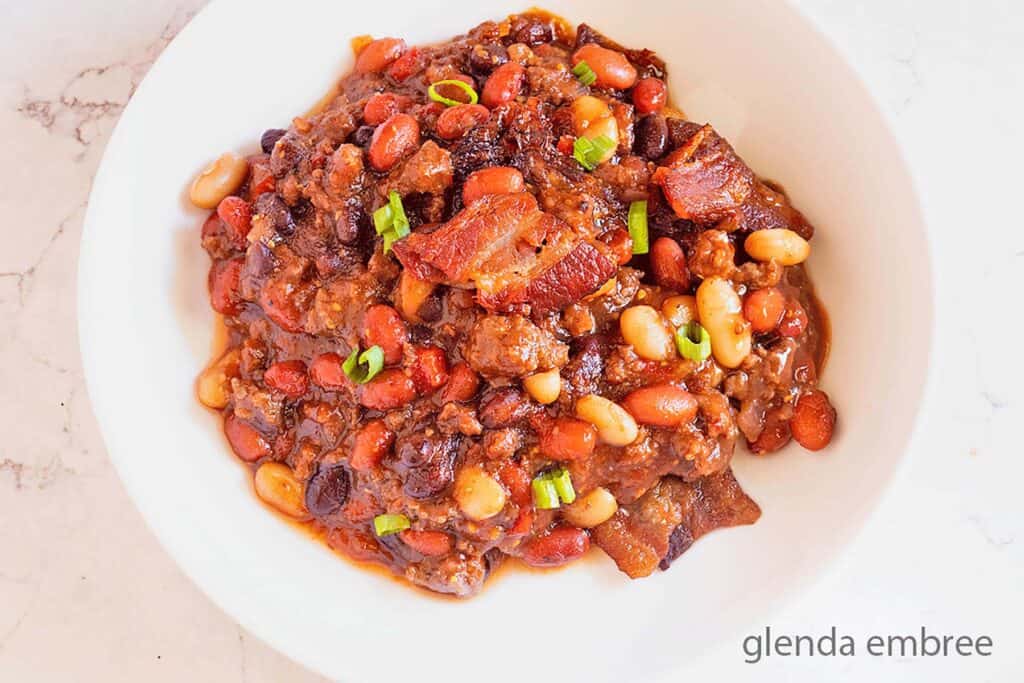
(383, 327)
(379, 54)
(428, 543)
(645, 330)
(389, 390)
(276, 485)
(371, 444)
(668, 263)
(764, 309)
(777, 244)
(611, 67)
(568, 439)
(393, 140)
(561, 545)
(814, 420)
(721, 314)
(493, 180)
(289, 377)
(503, 85)
(327, 490)
(614, 425)
(649, 95)
(661, 405)
(453, 122)
(245, 440)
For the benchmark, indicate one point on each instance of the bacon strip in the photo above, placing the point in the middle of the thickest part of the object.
(511, 252)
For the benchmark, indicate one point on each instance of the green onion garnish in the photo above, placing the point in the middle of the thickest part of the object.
(589, 152)
(545, 495)
(385, 525)
(390, 221)
(583, 72)
(362, 367)
(693, 341)
(638, 226)
(563, 485)
(464, 87)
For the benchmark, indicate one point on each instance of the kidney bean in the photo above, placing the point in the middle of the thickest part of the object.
(223, 282)
(381, 106)
(503, 85)
(493, 180)
(283, 303)
(561, 545)
(379, 54)
(517, 480)
(237, 216)
(429, 369)
(389, 390)
(794, 319)
(775, 434)
(327, 490)
(429, 543)
(393, 140)
(612, 68)
(503, 408)
(246, 441)
(463, 383)
(668, 263)
(383, 327)
(814, 420)
(288, 377)
(453, 122)
(269, 139)
(764, 309)
(621, 244)
(370, 445)
(649, 95)
(406, 65)
(661, 405)
(326, 372)
(568, 439)
(651, 137)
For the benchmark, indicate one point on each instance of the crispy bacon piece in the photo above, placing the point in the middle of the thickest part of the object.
(662, 524)
(764, 209)
(512, 252)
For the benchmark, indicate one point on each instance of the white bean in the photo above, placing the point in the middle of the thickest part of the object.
(218, 180)
(277, 486)
(214, 383)
(777, 244)
(478, 495)
(595, 508)
(614, 425)
(645, 330)
(721, 314)
(544, 387)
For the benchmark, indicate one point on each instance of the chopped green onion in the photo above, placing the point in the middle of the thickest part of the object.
(638, 226)
(385, 525)
(372, 358)
(461, 85)
(693, 341)
(583, 72)
(563, 485)
(589, 152)
(545, 495)
(390, 221)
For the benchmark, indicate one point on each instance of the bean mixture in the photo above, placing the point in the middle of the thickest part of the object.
(496, 298)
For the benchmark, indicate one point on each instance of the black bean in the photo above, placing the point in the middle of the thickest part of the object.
(651, 137)
(288, 152)
(485, 58)
(273, 207)
(533, 32)
(361, 138)
(327, 490)
(270, 138)
(427, 462)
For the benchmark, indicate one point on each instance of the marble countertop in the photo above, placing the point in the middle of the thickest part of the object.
(86, 593)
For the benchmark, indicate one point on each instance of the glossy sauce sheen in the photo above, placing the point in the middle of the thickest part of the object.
(481, 296)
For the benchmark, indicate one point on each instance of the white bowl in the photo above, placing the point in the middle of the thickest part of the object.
(765, 78)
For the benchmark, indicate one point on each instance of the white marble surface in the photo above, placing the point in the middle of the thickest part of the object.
(87, 594)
